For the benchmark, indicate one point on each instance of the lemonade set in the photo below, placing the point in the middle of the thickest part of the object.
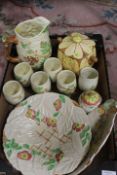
(49, 132)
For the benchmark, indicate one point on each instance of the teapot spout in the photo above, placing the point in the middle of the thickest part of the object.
(44, 22)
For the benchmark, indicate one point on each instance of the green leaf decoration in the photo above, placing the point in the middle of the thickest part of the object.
(23, 103)
(39, 89)
(56, 150)
(26, 146)
(51, 166)
(9, 152)
(45, 48)
(30, 51)
(62, 98)
(42, 60)
(24, 45)
(46, 163)
(85, 135)
(82, 134)
(86, 129)
(88, 136)
(18, 78)
(13, 141)
(18, 147)
(50, 161)
(84, 141)
(7, 145)
(69, 133)
(56, 114)
(35, 152)
(43, 155)
(38, 116)
(45, 30)
(38, 119)
(29, 106)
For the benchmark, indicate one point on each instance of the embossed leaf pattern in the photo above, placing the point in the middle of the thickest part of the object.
(62, 98)
(56, 114)
(23, 103)
(30, 51)
(35, 152)
(26, 146)
(58, 155)
(39, 89)
(50, 163)
(45, 30)
(38, 117)
(11, 145)
(24, 46)
(45, 48)
(85, 135)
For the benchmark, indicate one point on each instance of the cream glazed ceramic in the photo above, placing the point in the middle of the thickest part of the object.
(52, 66)
(66, 82)
(47, 136)
(40, 82)
(50, 135)
(102, 121)
(23, 72)
(37, 48)
(88, 79)
(13, 92)
(89, 100)
(77, 51)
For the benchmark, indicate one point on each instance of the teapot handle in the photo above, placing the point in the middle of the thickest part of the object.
(8, 42)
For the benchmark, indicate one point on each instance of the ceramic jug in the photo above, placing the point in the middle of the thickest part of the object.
(32, 42)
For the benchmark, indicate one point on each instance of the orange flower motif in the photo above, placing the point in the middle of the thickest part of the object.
(50, 121)
(57, 104)
(30, 113)
(59, 156)
(24, 155)
(78, 127)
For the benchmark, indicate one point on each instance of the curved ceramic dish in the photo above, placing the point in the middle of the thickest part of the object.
(99, 138)
(50, 135)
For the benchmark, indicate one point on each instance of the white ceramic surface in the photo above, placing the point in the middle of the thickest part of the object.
(52, 66)
(13, 92)
(23, 72)
(40, 82)
(88, 78)
(66, 81)
(50, 135)
(37, 48)
(47, 136)
(89, 100)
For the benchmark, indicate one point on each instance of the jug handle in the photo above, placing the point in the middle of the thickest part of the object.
(8, 42)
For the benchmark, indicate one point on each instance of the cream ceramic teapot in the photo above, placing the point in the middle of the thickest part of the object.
(32, 42)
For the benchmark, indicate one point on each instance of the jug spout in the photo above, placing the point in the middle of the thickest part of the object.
(44, 22)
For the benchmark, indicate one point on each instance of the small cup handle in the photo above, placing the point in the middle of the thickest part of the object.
(8, 41)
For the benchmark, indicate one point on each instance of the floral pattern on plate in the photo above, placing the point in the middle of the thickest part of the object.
(43, 128)
(55, 144)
